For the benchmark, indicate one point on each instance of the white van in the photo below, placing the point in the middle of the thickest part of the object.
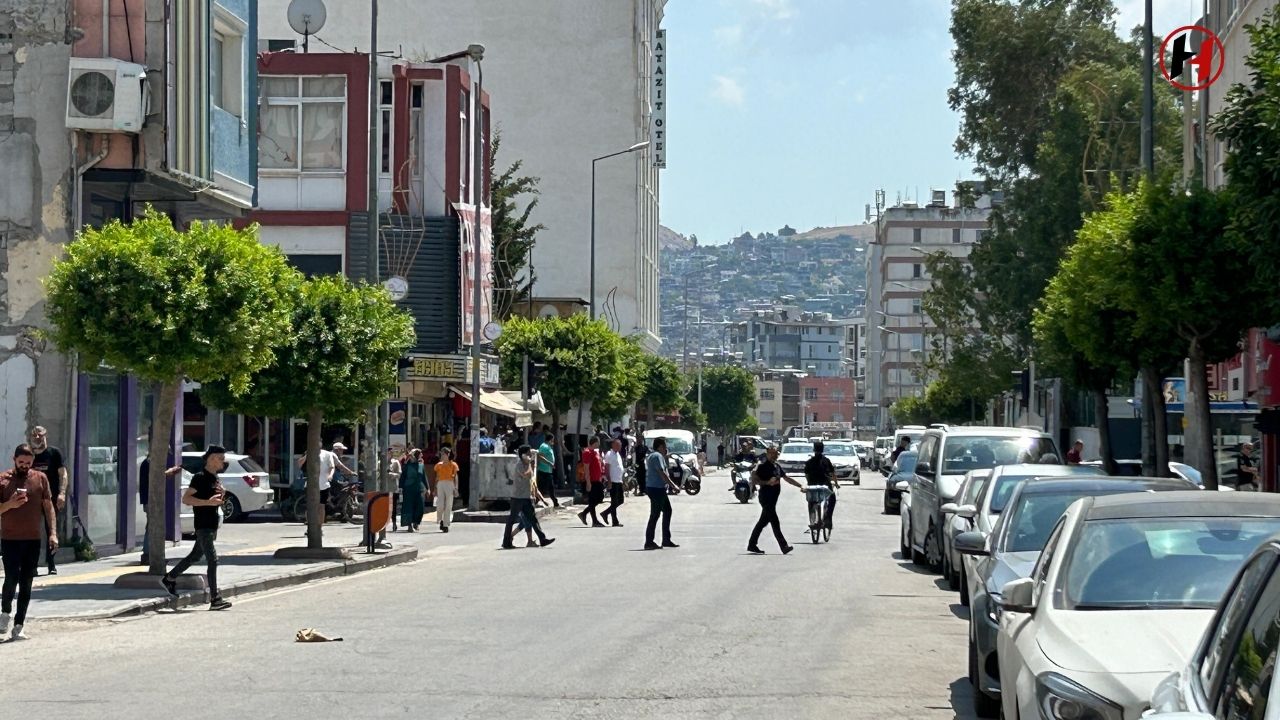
(914, 432)
(679, 442)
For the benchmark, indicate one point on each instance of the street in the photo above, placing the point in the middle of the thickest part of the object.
(590, 627)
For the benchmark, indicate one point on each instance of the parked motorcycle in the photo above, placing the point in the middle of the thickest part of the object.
(742, 487)
(345, 501)
(683, 475)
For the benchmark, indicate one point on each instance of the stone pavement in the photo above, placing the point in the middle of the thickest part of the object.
(87, 591)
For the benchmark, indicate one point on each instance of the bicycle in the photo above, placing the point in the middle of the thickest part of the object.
(818, 496)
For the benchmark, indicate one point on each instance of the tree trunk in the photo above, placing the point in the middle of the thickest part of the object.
(1102, 416)
(648, 417)
(1200, 425)
(1153, 392)
(161, 432)
(315, 512)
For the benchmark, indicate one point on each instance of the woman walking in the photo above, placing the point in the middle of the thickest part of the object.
(413, 485)
(446, 488)
(768, 476)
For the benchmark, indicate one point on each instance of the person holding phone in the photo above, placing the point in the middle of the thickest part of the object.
(26, 510)
(204, 494)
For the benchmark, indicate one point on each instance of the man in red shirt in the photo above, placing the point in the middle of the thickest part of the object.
(595, 481)
(26, 510)
(1073, 455)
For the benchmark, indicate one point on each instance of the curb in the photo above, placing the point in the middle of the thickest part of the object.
(360, 563)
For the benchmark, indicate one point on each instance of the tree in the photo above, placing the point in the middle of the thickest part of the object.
(911, 410)
(340, 358)
(147, 299)
(628, 385)
(728, 394)
(664, 386)
(513, 236)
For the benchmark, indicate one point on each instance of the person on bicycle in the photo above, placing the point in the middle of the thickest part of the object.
(818, 470)
(745, 456)
(768, 476)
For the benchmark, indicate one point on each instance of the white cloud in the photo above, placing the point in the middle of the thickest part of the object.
(776, 9)
(728, 91)
(728, 36)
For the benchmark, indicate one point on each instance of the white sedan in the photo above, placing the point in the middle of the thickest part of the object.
(1119, 598)
(248, 486)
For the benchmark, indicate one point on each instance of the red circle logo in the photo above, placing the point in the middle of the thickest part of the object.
(1205, 58)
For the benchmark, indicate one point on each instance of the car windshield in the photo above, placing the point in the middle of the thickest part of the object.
(1005, 484)
(967, 452)
(1153, 563)
(797, 449)
(839, 450)
(679, 446)
(1033, 518)
(906, 463)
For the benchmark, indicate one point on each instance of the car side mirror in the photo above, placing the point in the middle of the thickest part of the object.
(949, 508)
(1017, 595)
(902, 486)
(968, 512)
(924, 467)
(971, 543)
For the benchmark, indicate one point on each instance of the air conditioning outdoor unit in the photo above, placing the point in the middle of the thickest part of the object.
(107, 95)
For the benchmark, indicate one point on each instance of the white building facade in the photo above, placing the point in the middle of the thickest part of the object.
(571, 81)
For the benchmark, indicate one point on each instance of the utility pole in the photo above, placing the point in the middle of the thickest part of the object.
(377, 477)
(1148, 96)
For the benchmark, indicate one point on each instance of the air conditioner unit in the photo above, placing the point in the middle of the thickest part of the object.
(107, 95)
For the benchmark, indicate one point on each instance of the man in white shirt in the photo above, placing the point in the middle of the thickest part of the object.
(328, 463)
(615, 474)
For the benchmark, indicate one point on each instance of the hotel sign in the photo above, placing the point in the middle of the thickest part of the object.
(447, 369)
(658, 101)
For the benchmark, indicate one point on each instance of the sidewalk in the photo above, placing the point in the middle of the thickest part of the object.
(86, 590)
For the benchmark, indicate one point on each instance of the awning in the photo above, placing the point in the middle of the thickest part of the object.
(535, 403)
(496, 402)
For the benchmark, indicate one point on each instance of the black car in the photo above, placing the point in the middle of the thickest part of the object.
(903, 469)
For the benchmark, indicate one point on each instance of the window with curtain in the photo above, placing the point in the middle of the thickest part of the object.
(301, 124)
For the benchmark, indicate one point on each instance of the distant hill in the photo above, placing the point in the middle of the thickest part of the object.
(866, 232)
(670, 239)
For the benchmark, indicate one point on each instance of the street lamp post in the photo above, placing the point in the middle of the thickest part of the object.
(633, 148)
(474, 51)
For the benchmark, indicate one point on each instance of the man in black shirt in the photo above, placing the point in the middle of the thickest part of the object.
(144, 491)
(641, 452)
(904, 444)
(745, 456)
(768, 476)
(205, 496)
(1247, 469)
(48, 460)
(818, 470)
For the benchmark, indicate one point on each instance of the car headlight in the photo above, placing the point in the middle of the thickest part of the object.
(1062, 699)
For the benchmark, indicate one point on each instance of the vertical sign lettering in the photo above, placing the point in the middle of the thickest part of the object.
(658, 101)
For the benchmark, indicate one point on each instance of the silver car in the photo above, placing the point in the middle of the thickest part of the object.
(1011, 551)
(952, 565)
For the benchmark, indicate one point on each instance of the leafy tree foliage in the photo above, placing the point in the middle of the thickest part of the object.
(513, 235)
(728, 395)
(164, 304)
(664, 386)
(340, 357)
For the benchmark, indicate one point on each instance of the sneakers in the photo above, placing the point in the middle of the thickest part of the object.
(583, 517)
(598, 524)
(17, 633)
(548, 541)
(755, 550)
(669, 544)
(219, 604)
(788, 549)
(52, 570)
(444, 528)
(617, 524)
(652, 546)
(508, 546)
(170, 585)
(5, 619)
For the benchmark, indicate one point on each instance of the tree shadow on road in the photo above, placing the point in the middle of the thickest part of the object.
(962, 700)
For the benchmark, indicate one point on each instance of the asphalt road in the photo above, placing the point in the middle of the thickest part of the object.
(592, 627)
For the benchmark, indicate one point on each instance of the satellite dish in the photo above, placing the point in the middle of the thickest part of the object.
(306, 17)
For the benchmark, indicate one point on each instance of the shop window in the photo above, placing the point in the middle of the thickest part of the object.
(101, 442)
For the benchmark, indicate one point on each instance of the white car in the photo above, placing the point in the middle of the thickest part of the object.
(247, 484)
(844, 457)
(793, 456)
(1119, 598)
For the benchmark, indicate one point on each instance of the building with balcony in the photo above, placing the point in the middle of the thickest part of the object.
(814, 343)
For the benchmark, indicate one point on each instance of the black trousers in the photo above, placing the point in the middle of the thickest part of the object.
(522, 506)
(768, 516)
(616, 495)
(547, 486)
(49, 560)
(659, 505)
(595, 496)
(203, 548)
(21, 560)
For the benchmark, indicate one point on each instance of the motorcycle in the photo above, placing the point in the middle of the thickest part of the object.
(683, 476)
(742, 487)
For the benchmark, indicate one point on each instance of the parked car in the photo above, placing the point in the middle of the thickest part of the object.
(793, 456)
(1119, 598)
(864, 448)
(247, 484)
(1232, 673)
(946, 454)
(1133, 468)
(884, 446)
(844, 458)
(899, 481)
(1010, 552)
(954, 524)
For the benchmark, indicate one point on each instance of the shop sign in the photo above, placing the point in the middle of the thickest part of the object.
(448, 369)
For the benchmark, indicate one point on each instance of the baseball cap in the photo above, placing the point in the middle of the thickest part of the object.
(339, 446)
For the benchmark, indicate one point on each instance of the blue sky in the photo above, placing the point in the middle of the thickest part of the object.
(796, 111)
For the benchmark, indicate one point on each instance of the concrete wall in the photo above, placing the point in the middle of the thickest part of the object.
(35, 214)
(566, 86)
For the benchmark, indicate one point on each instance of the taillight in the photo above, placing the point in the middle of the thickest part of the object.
(251, 481)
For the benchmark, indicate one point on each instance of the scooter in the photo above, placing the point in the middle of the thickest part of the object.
(742, 487)
(683, 476)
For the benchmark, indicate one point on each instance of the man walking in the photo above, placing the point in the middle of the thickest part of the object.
(547, 467)
(1247, 469)
(655, 486)
(204, 495)
(641, 454)
(613, 469)
(520, 478)
(594, 477)
(26, 509)
(768, 476)
(48, 460)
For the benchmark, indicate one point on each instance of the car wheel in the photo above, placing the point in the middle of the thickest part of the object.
(947, 573)
(932, 550)
(983, 704)
(904, 541)
(231, 509)
(964, 588)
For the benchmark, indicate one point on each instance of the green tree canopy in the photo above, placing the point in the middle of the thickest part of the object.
(206, 303)
(340, 358)
(728, 395)
(629, 375)
(664, 386)
(513, 234)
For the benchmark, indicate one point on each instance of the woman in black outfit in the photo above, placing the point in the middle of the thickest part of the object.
(768, 476)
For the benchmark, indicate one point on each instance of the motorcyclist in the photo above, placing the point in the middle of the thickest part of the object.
(745, 456)
(818, 470)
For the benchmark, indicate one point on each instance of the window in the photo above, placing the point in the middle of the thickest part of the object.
(811, 393)
(837, 395)
(1247, 677)
(916, 271)
(415, 130)
(464, 168)
(216, 75)
(983, 234)
(303, 123)
(766, 417)
(915, 306)
(955, 235)
(766, 393)
(385, 95)
(1238, 602)
(916, 234)
(226, 63)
